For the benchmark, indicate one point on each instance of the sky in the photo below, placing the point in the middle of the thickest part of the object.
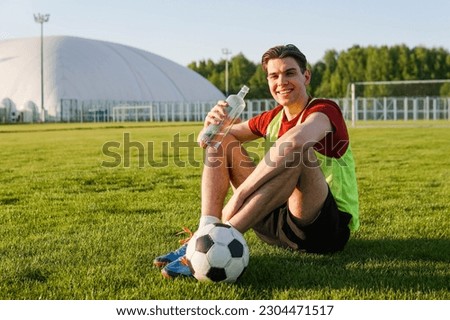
(192, 30)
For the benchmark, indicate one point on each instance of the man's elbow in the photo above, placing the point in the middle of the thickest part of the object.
(295, 144)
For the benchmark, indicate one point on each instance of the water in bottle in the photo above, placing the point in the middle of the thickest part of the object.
(214, 134)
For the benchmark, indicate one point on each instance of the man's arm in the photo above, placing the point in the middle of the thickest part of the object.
(241, 131)
(281, 156)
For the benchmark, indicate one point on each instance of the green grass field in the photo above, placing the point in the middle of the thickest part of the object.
(74, 228)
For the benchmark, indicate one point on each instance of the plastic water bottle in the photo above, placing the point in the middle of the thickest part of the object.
(214, 134)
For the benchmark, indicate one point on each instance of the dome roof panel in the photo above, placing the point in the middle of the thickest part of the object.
(84, 69)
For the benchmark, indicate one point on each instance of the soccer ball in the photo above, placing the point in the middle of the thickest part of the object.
(217, 252)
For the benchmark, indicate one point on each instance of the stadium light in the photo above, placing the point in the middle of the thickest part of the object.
(226, 52)
(42, 18)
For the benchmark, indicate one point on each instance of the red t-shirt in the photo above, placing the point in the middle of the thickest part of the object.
(334, 144)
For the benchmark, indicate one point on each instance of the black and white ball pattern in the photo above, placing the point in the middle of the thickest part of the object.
(217, 252)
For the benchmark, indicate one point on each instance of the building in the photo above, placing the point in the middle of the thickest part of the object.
(85, 79)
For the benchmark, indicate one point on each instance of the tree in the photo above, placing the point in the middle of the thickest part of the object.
(258, 85)
(241, 70)
(321, 74)
(332, 75)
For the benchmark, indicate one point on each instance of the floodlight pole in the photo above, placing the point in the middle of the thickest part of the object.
(42, 18)
(226, 52)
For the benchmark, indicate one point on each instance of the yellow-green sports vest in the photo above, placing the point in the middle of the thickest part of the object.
(338, 172)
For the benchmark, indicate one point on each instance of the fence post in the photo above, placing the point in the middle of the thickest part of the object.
(448, 108)
(415, 109)
(353, 105)
(394, 106)
(405, 109)
(434, 109)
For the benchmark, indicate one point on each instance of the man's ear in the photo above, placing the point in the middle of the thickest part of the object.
(307, 75)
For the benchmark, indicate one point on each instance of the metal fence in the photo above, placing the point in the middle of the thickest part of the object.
(400, 108)
(114, 111)
(384, 108)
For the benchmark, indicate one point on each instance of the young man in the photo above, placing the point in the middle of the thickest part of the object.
(303, 194)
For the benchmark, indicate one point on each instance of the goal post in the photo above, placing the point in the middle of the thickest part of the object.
(403, 90)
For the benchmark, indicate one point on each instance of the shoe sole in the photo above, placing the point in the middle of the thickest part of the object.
(172, 275)
(160, 264)
(167, 275)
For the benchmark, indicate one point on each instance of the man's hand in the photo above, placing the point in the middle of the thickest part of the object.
(233, 205)
(216, 116)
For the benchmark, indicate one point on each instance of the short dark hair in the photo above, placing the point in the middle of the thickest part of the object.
(284, 51)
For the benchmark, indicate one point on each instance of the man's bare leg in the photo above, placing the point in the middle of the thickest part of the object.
(301, 184)
(222, 169)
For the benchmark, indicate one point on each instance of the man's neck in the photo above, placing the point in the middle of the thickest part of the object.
(294, 110)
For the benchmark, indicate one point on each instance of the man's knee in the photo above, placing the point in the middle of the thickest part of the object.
(230, 153)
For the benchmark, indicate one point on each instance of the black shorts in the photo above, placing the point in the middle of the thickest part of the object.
(328, 233)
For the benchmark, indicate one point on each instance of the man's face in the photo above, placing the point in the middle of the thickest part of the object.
(287, 83)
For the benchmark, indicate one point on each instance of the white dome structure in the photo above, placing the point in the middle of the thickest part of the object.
(77, 69)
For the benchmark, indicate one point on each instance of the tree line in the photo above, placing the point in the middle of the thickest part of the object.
(332, 75)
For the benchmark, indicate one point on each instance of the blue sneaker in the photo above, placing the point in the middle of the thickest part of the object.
(172, 256)
(164, 260)
(177, 268)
